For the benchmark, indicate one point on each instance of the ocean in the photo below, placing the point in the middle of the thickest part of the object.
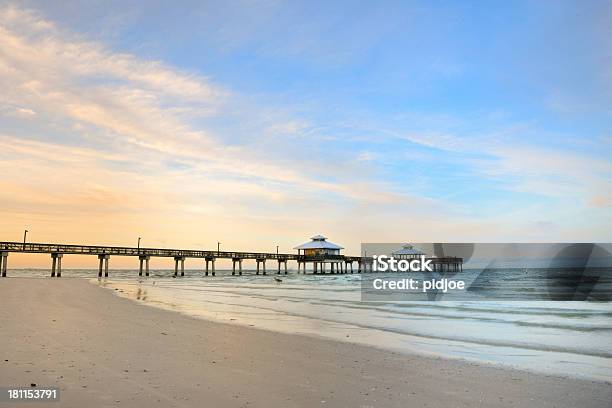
(570, 338)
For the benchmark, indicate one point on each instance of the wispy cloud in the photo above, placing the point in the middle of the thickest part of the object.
(125, 100)
(512, 158)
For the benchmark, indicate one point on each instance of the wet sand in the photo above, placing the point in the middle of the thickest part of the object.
(102, 350)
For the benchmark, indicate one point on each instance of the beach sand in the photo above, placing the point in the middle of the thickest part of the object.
(102, 350)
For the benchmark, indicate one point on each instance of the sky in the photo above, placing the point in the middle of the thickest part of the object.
(262, 123)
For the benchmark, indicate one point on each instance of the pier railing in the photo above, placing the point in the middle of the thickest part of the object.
(132, 251)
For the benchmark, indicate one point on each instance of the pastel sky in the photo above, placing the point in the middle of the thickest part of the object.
(262, 123)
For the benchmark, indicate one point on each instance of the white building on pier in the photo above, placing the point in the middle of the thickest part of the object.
(408, 251)
(319, 246)
(322, 252)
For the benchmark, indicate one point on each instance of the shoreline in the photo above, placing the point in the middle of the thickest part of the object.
(102, 348)
(128, 290)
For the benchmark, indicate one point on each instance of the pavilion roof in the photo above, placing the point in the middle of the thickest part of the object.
(408, 249)
(318, 242)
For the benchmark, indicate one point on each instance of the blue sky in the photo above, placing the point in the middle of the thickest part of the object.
(367, 121)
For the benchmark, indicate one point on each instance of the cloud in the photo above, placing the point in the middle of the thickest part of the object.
(78, 58)
(128, 101)
(441, 141)
(17, 111)
(512, 157)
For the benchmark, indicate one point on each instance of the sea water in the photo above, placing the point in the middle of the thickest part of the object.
(570, 338)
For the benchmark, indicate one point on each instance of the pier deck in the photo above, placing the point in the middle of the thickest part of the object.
(337, 263)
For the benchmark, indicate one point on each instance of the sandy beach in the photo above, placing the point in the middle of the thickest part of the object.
(102, 350)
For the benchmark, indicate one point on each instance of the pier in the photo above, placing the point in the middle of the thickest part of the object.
(318, 263)
(315, 262)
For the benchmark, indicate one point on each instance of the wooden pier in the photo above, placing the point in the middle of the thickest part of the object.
(319, 264)
(337, 264)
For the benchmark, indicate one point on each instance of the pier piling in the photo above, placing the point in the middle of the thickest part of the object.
(281, 261)
(208, 260)
(53, 263)
(263, 263)
(103, 262)
(3, 263)
(143, 259)
(56, 265)
(178, 259)
(234, 262)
